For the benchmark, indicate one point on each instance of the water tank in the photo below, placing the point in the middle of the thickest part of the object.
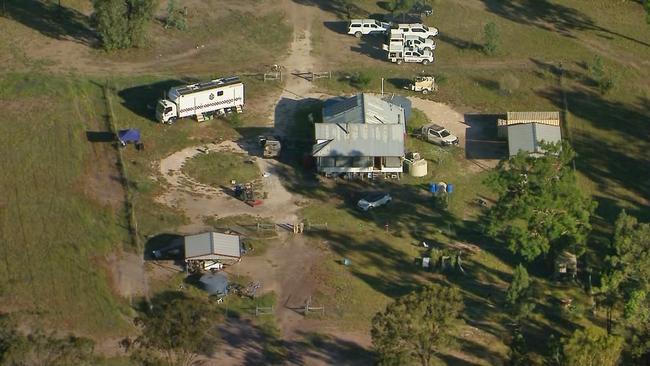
(418, 168)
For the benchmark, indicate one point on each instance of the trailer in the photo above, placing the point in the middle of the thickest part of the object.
(202, 100)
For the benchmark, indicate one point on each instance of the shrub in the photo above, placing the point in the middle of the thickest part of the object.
(491, 38)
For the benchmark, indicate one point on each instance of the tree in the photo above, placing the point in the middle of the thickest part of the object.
(628, 281)
(122, 23)
(600, 75)
(519, 285)
(539, 208)
(592, 347)
(490, 38)
(414, 327)
(178, 327)
(646, 6)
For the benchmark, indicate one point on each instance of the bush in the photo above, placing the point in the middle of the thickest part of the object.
(508, 84)
(360, 80)
(602, 78)
(491, 38)
(175, 18)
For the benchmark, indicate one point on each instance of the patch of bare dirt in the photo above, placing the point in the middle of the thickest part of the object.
(127, 274)
(198, 200)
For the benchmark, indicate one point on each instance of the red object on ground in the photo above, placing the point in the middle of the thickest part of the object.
(254, 203)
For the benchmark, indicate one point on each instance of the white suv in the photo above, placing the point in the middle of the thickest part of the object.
(418, 30)
(359, 27)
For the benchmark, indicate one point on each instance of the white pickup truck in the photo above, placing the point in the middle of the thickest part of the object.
(410, 54)
(418, 30)
(359, 27)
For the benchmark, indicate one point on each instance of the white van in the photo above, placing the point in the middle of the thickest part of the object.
(359, 27)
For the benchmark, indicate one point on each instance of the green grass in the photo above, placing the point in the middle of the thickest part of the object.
(220, 168)
(55, 235)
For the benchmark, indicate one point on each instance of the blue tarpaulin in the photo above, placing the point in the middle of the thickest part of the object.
(215, 283)
(128, 136)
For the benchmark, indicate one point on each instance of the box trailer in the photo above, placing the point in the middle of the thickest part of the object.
(202, 100)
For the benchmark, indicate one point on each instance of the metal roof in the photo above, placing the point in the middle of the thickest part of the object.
(212, 245)
(547, 118)
(193, 88)
(363, 108)
(527, 137)
(354, 139)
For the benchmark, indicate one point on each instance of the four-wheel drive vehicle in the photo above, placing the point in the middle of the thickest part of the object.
(425, 44)
(409, 54)
(202, 100)
(418, 29)
(374, 200)
(437, 135)
(423, 84)
(271, 146)
(359, 27)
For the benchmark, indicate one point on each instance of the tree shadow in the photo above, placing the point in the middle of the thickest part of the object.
(458, 43)
(341, 8)
(602, 160)
(51, 20)
(549, 16)
(142, 99)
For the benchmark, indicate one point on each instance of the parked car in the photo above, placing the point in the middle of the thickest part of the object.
(438, 135)
(359, 27)
(423, 84)
(418, 29)
(374, 200)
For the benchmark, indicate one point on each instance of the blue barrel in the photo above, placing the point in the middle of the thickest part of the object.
(450, 188)
(433, 187)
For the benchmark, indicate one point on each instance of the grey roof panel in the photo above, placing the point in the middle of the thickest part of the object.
(359, 140)
(527, 137)
(363, 108)
(211, 243)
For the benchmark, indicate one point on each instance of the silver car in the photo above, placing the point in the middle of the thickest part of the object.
(373, 200)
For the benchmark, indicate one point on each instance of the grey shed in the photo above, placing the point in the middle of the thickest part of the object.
(526, 137)
(212, 246)
(214, 283)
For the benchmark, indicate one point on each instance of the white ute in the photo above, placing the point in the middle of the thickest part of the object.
(202, 100)
(359, 27)
(418, 30)
(409, 54)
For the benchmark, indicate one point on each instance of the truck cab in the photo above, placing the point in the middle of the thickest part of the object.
(166, 111)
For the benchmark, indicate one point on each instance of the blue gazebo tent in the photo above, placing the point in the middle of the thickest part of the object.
(131, 135)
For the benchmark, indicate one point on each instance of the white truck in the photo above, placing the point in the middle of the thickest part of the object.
(202, 100)
(399, 55)
(418, 29)
(359, 27)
